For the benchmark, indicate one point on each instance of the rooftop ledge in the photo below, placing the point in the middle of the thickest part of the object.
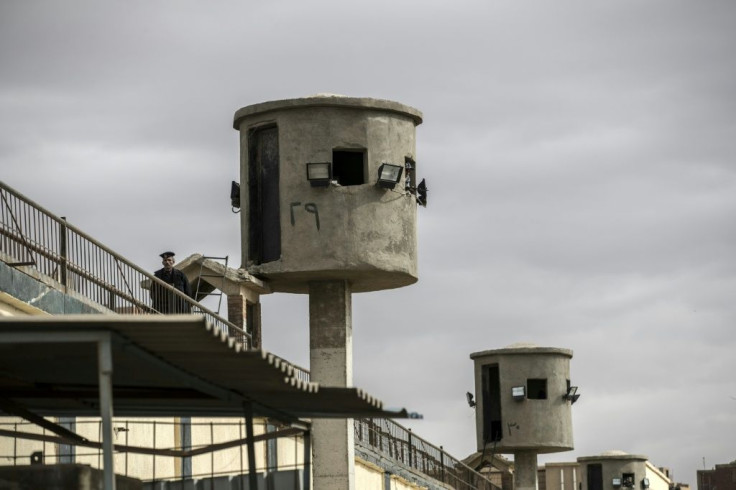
(328, 100)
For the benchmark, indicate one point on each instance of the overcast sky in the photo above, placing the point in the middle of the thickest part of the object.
(579, 156)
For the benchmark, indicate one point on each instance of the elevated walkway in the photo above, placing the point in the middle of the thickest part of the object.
(115, 348)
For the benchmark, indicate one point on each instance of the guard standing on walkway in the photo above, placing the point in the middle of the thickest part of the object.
(164, 300)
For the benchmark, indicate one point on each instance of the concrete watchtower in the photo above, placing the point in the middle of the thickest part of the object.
(523, 405)
(339, 225)
(329, 207)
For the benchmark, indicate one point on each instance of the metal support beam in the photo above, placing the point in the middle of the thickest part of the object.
(307, 460)
(12, 408)
(252, 470)
(175, 453)
(104, 367)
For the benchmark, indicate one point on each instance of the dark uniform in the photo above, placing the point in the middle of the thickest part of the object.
(164, 300)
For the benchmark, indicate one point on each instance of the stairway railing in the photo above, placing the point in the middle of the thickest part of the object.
(33, 237)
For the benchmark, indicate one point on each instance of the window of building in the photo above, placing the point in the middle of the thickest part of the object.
(348, 167)
(536, 389)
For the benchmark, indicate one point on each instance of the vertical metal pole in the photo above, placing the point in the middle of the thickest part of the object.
(442, 463)
(252, 471)
(307, 477)
(15, 445)
(410, 448)
(104, 366)
(154, 456)
(126, 452)
(62, 251)
(240, 435)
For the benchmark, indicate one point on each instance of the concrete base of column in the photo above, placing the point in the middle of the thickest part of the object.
(331, 364)
(525, 470)
(333, 460)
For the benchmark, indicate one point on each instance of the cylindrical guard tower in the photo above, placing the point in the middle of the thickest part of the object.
(344, 226)
(329, 207)
(523, 405)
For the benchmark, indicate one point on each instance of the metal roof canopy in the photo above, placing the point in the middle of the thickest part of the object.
(174, 365)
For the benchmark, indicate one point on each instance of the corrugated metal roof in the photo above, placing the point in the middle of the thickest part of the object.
(176, 365)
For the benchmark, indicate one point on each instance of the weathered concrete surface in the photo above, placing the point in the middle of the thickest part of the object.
(41, 294)
(613, 465)
(541, 426)
(361, 233)
(525, 470)
(331, 364)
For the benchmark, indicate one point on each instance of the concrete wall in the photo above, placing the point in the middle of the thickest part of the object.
(722, 477)
(40, 293)
(658, 480)
(372, 477)
(366, 234)
(561, 476)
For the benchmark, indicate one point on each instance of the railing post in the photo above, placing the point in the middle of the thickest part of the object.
(442, 463)
(63, 252)
(410, 447)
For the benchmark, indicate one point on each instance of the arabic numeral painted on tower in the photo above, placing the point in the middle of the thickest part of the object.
(309, 207)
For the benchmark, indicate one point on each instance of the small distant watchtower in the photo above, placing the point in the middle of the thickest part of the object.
(524, 400)
(329, 207)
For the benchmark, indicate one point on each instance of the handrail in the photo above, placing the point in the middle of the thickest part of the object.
(396, 442)
(62, 251)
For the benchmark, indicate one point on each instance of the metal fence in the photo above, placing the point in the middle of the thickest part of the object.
(396, 442)
(32, 237)
(220, 445)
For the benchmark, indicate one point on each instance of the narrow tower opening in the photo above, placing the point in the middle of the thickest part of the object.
(491, 380)
(263, 187)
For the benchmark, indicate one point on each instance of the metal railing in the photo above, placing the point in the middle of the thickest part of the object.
(31, 236)
(220, 445)
(396, 442)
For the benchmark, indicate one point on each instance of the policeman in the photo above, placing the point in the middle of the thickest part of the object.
(165, 301)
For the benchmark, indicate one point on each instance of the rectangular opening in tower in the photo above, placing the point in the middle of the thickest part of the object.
(595, 477)
(628, 480)
(264, 235)
(348, 167)
(536, 389)
(491, 380)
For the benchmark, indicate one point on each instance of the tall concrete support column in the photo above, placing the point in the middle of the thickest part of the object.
(331, 364)
(525, 470)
